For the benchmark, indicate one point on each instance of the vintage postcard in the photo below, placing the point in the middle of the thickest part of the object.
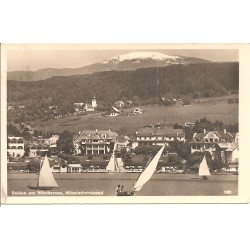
(124, 123)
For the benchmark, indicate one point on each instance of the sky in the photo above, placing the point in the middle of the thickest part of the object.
(38, 59)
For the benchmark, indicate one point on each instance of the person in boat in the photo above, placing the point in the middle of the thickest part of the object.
(118, 189)
(122, 189)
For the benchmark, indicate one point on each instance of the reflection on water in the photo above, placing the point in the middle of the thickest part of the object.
(106, 183)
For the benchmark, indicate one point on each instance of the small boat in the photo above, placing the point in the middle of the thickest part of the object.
(46, 180)
(145, 175)
(113, 166)
(203, 170)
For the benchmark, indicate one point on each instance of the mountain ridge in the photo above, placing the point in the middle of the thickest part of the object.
(209, 79)
(129, 61)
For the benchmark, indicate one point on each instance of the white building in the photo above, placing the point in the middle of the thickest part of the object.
(74, 168)
(119, 104)
(94, 103)
(91, 142)
(137, 111)
(59, 169)
(212, 141)
(15, 146)
(37, 149)
(158, 136)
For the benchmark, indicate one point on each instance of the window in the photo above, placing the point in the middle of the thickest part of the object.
(211, 140)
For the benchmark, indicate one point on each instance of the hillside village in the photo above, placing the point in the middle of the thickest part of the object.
(90, 150)
(109, 112)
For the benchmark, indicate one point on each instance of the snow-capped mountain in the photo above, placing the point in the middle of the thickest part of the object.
(129, 61)
(138, 56)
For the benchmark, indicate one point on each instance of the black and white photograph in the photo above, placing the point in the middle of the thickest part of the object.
(96, 123)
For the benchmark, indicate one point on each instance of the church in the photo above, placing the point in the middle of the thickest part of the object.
(80, 107)
(91, 107)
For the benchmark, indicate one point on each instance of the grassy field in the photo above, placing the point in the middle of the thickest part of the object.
(213, 109)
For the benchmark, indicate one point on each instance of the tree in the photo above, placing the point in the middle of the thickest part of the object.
(34, 166)
(65, 142)
(186, 101)
(146, 150)
(13, 131)
(136, 100)
(181, 148)
(196, 157)
(217, 164)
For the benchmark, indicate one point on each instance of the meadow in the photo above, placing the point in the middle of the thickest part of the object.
(212, 108)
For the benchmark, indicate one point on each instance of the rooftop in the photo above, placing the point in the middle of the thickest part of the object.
(167, 131)
(95, 134)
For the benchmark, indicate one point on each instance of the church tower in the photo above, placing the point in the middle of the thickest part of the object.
(94, 104)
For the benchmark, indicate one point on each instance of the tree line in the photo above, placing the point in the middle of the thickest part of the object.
(194, 81)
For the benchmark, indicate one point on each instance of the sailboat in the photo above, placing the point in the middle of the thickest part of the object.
(113, 165)
(146, 174)
(46, 180)
(203, 170)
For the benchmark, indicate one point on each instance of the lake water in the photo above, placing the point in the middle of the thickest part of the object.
(104, 184)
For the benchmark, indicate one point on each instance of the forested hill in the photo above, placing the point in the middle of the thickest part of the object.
(206, 79)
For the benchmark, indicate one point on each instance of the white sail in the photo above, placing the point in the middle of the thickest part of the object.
(203, 169)
(46, 178)
(112, 165)
(148, 171)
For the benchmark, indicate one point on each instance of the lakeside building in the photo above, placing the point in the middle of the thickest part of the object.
(220, 144)
(157, 136)
(59, 168)
(15, 146)
(91, 142)
(35, 149)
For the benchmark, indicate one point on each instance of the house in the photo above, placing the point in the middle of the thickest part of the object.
(74, 168)
(189, 124)
(214, 142)
(59, 168)
(79, 106)
(88, 108)
(52, 141)
(157, 136)
(35, 149)
(114, 112)
(91, 142)
(91, 107)
(129, 103)
(232, 153)
(15, 146)
(137, 111)
(119, 104)
(122, 142)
